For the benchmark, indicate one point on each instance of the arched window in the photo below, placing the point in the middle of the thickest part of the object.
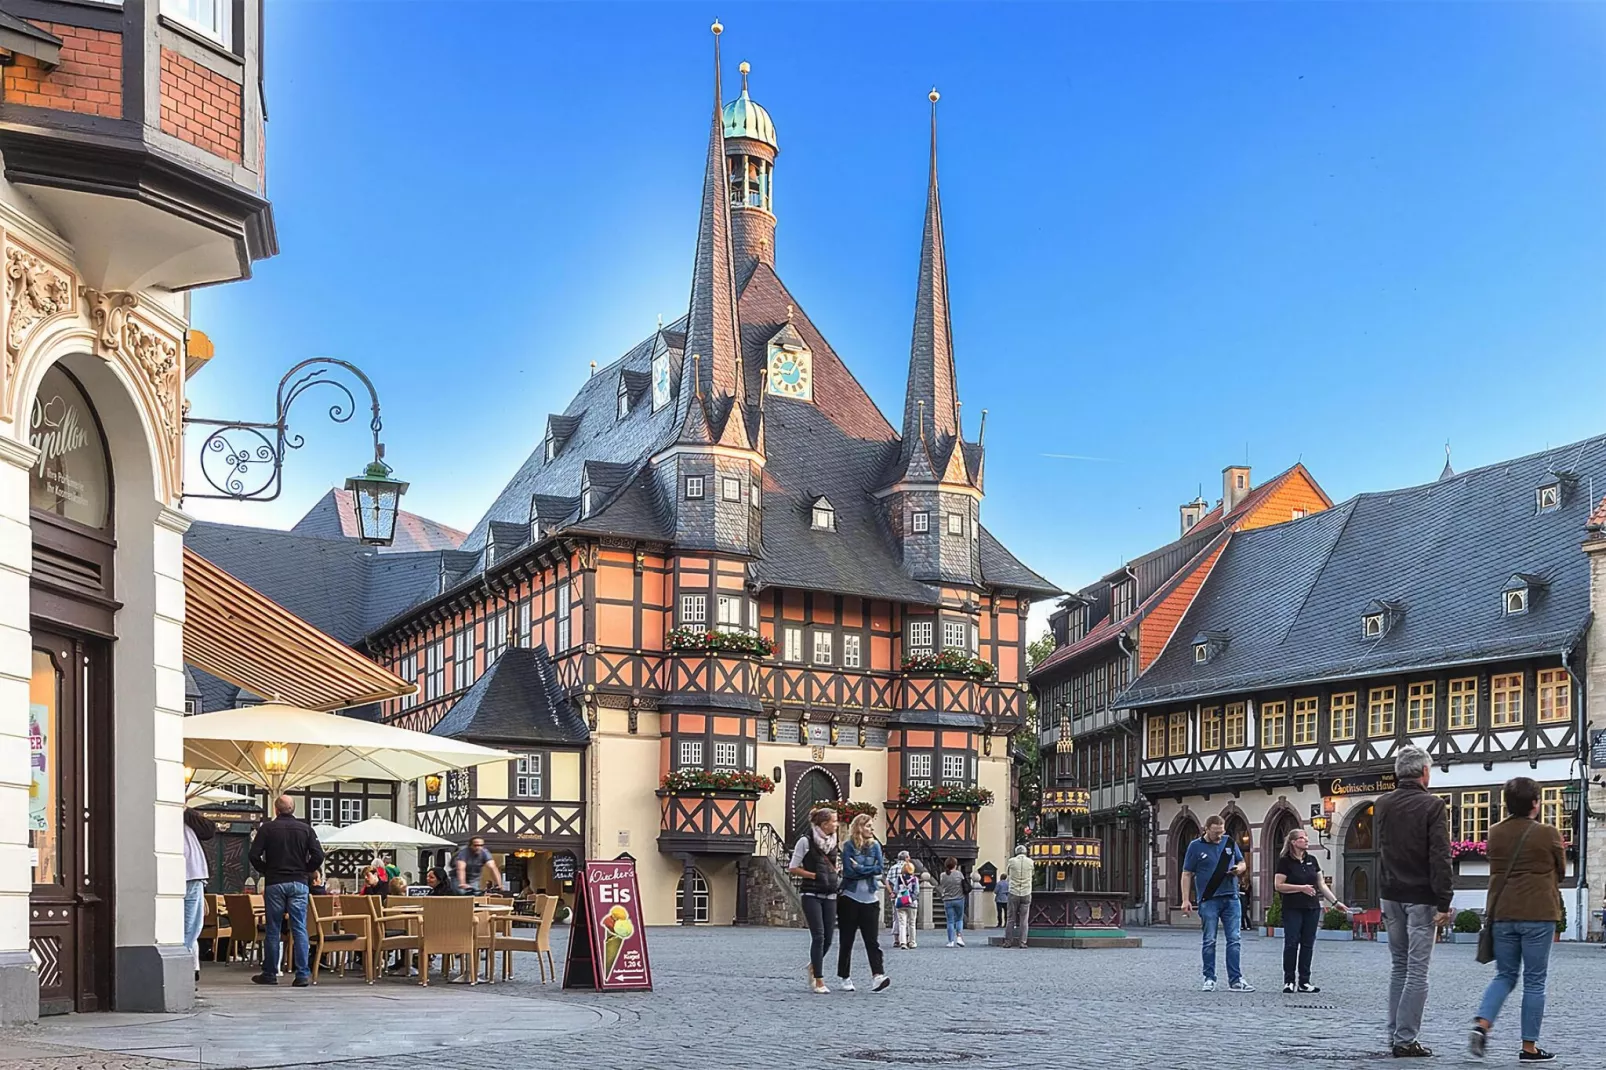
(699, 897)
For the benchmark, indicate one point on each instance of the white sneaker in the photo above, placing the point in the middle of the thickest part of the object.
(880, 983)
(821, 989)
(846, 985)
(950, 944)
(1288, 987)
(1241, 985)
(960, 940)
(1208, 986)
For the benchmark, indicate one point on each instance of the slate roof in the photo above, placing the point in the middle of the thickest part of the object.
(332, 517)
(517, 701)
(1292, 595)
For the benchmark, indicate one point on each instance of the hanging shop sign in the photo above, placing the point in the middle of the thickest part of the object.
(607, 940)
(1597, 749)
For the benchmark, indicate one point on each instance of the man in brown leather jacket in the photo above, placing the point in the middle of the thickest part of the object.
(1415, 877)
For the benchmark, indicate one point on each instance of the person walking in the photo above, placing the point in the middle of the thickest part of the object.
(1001, 898)
(1299, 880)
(197, 830)
(1018, 875)
(818, 860)
(953, 886)
(1213, 865)
(284, 851)
(1414, 878)
(1524, 907)
(904, 884)
(859, 903)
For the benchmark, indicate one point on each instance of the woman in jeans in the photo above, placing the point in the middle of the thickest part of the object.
(859, 904)
(905, 888)
(951, 886)
(1524, 910)
(1299, 880)
(818, 860)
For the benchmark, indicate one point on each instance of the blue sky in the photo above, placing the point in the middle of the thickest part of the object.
(1178, 235)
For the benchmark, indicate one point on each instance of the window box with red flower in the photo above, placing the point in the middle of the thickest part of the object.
(949, 661)
(718, 643)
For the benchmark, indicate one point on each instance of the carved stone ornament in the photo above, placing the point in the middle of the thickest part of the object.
(590, 555)
(151, 353)
(35, 291)
(591, 716)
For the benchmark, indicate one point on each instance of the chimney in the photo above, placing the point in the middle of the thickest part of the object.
(1193, 512)
(1234, 486)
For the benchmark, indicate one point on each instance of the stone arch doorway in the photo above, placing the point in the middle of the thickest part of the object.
(1360, 861)
(1184, 832)
(699, 901)
(1238, 832)
(1279, 823)
(810, 786)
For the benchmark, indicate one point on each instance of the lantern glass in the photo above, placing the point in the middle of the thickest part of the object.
(275, 757)
(376, 499)
(1569, 793)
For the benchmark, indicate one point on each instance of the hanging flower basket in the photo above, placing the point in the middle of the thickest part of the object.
(695, 641)
(945, 795)
(950, 660)
(690, 781)
(847, 811)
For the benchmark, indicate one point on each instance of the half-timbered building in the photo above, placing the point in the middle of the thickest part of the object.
(1108, 632)
(722, 563)
(1450, 615)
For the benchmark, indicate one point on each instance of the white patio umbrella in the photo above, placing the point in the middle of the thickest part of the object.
(277, 747)
(323, 832)
(377, 832)
(213, 793)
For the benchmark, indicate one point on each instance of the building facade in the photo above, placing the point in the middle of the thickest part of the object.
(1451, 616)
(720, 565)
(131, 138)
(1105, 635)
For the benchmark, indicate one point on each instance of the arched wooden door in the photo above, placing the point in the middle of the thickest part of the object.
(1360, 862)
(813, 788)
(1275, 832)
(1184, 834)
(1249, 900)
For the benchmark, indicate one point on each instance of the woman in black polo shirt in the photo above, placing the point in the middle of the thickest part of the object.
(1299, 879)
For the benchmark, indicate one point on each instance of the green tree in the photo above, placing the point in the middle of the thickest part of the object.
(1031, 775)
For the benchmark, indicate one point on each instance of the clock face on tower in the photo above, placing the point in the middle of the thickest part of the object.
(791, 373)
(660, 382)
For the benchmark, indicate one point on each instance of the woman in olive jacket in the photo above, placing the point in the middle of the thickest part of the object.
(1524, 911)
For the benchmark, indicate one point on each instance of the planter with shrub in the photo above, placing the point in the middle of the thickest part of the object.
(1336, 925)
(1274, 917)
(1466, 927)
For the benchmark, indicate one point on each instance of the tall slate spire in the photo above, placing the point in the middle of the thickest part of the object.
(931, 402)
(713, 332)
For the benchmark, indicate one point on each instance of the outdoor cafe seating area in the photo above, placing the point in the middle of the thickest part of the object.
(397, 937)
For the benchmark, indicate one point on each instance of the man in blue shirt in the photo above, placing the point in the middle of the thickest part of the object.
(1212, 865)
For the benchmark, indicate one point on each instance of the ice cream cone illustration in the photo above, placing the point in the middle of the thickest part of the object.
(616, 929)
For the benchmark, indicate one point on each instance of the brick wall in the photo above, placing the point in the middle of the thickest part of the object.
(89, 79)
(201, 106)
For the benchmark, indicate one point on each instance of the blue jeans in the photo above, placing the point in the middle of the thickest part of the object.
(1225, 911)
(194, 916)
(1524, 944)
(955, 910)
(277, 900)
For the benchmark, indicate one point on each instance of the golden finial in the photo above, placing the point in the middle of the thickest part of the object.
(593, 367)
(745, 68)
(934, 96)
(717, 28)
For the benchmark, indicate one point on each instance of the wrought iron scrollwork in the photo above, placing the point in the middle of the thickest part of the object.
(243, 460)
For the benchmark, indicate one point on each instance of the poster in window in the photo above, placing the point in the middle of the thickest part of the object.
(70, 478)
(38, 769)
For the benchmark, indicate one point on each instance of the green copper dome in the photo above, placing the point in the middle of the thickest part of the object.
(744, 117)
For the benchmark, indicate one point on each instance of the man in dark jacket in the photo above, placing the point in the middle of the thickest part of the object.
(1413, 843)
(284, 852)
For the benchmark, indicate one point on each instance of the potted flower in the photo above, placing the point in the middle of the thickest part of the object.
(1466, 927)
(1336, 925)
(695, 781)
(1274, 917)
(949, 660)
(937, 795)
(698, 641)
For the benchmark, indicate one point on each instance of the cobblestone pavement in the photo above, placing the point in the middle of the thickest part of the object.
(737, 998)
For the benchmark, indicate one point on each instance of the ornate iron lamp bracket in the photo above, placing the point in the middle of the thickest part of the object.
(243, 460)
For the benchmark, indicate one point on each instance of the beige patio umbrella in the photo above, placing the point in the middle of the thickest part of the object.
(375, 833)
(213, 793)
(278, 747)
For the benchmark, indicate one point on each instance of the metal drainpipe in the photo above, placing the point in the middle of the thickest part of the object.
(1149, 907)
(1581, 832)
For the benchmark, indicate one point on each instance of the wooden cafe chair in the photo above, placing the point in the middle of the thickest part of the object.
(245, 932)
(330, 932)
(217, 932)
(448, 930)
(503, 941)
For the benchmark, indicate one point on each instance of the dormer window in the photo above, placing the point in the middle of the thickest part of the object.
(586, 502)
(549, 448)
(1208, 645)
(1519, 593)
(1201, 653)
(1372, 626)
(1380, 617)
(1548, 496)
(624, 400)
(823, 515)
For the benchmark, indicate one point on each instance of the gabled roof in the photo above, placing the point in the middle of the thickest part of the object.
(334, 517)
(518, 702)
(1292, 594)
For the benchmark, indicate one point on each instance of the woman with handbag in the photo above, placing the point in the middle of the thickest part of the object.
(905, 887)
(818, 860)
(1524, 907)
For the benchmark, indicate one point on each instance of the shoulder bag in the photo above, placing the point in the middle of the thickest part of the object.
(1223, 864)
(1486, 934)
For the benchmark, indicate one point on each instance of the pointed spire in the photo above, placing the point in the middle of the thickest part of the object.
(712, 328)
(931, 402)
(1448, 472)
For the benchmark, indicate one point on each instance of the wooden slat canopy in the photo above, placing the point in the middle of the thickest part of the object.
(240, 635)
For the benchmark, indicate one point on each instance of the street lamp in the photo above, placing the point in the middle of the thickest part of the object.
(243, 460)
